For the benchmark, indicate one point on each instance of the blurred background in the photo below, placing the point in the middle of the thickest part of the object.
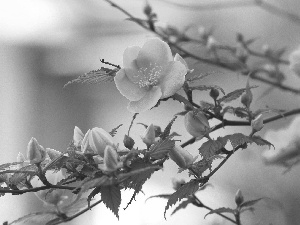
(44, 44)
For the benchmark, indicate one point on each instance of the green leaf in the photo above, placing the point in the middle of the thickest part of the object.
(250, 203)
(182, 205)
(184, 191)
(238, 111)
(20, 176)
(182, 99)
(236, 139)
(165, 196)
(91, 183)
(37, 218)
(114, 131)
(260, 141)
(167, 130)
(95, 76)
(206, 105)
(207, 88)
(111, 197)
(161, 148)
(209, 148)
(220, 210)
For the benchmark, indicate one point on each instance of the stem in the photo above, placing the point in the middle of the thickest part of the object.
(237, 216)
(36, 189)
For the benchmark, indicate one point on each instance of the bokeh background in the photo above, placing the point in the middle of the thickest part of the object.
(44, 44)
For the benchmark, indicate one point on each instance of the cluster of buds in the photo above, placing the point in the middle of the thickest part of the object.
(181, 157)
(196, 124)
(93, 142)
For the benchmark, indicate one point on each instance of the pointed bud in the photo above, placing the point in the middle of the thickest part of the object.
(247, 98)
(181, 157)
(95, 141)
(77, 136)
(52, 153)
(35, 152)
(111, 160)
(196, 124)
(239, 198)
(258, 123)
(149, 135)
(128, 142)
(214, 93)
(147, 9)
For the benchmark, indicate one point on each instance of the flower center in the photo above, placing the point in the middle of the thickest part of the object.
(149, 76)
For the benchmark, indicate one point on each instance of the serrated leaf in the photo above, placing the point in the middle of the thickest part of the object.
(209, 148)
(18, 177)
(260, 141)
(182, 205)
(91, 183)
(165, 196)
(207, 88)
(38, 218)
(182, 99)
(161, 148)
(206, 105)
(234, 95)
(6, 165)
(250, 203)
(167, 130)
(183, 192)
(220, 210)
(238, 111)
(95, 76)
(114, 131)
(111, 197)
(236, 139)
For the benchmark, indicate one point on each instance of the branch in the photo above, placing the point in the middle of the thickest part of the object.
(35, 189)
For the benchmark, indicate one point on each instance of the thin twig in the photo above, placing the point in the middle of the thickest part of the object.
(3, 190)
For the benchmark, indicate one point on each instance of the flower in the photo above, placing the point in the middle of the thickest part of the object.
(111, 160)
(35, 152)
(295, 61)
(181, 157)
(196, 124)
(287, 146)
(95, 141)
(52, 197)
(149, 74)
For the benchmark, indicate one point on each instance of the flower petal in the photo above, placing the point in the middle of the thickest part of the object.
(129, 56)
(155, 52)
(130, 90)
(173, 79)
(147, 102)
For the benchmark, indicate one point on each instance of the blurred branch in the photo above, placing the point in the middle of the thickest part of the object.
(235, 4)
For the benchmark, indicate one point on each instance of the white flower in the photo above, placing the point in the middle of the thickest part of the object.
(35, 152)
(149, 74)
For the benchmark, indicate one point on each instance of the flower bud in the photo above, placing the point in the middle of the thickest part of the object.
(147, 9)
(258, 123)
(111, 160)
(77, 136)
(149, 135)
(52, 153)
(247, 98)
(181, 157)
(196, 124)
(239, 198)
(95, 141)
(35, 152)
(214, 93)
(128, 142)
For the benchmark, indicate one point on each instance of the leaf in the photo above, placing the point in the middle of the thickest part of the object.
(209, 148)
(234, 95)
(220, 210)
(91, 183)
(20, 176)
(161, 148)
(167, 130)
(38, 218)
(182, 205)
(206, 105)
(236, 139)
(6, 165)
(200, 76)
(166, 196)
(250, 203)
(207, 88)
(95, 76)
(111, 197)
(182, 99)
(183, 192)
(238, 111)
(260, 141)
(114, 131)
